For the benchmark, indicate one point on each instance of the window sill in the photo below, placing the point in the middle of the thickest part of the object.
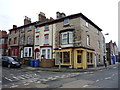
(46, 30)
(46, 44)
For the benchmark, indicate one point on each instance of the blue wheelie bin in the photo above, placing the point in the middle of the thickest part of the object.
(31, 63)
(36, 63)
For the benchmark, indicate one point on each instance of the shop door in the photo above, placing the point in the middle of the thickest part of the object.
(79, 58)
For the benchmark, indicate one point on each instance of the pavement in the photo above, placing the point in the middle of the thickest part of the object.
(56, 69)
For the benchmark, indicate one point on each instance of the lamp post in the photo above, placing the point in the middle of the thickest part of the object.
(59, 57)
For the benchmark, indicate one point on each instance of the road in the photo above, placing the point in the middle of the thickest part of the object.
(21, 78)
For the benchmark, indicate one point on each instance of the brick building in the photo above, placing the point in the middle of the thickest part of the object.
(3, 43)
(73, 40)
(112, 52)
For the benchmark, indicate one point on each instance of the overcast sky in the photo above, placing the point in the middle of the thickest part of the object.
(103, 13)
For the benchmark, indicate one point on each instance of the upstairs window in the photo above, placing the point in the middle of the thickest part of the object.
(2, 41)
(67, 38)
(46, 38)
(15, 40)
(37, 40)
(22, 40)
(37, 29)
(9, 41)
(46, 27)
(98, 44)
(22, 30)
(66, 22)
(86, 24)
(29, 40)
(88, 40)
(29, 28)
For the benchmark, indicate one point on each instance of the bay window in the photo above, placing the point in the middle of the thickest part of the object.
(46, 53)
(67, 38)
(28, 52)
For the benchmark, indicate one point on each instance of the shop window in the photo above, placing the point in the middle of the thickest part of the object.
(63, 57)
(66, 57)
(87, 57)
(79, 59)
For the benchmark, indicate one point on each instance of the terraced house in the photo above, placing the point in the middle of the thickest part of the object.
(73, 41)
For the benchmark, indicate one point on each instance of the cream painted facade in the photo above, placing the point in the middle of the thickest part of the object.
(40, 45)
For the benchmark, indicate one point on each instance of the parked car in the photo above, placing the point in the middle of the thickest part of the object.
(10, 62)
(17, 59)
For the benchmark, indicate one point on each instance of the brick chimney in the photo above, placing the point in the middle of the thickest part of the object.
(14, 26)
(59, 15)
(42, 17)
(27, 20)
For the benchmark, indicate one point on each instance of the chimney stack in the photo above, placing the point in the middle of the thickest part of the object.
(27, 20)
(60, 15)
(42, 17)
(14, 26)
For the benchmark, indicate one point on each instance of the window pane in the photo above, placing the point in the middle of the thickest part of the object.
(79, 59)
(44, 53)
(70, 37)
(46, 27)
(66, 21)
(30, 52)
(37, 40)
(46, 39)
(66, 57)
(48, 54)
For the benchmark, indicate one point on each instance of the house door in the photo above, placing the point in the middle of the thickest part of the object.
(79, 58)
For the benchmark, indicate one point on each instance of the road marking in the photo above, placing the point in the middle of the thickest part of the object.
(107, 78)
(114, 67)
(16, 78)
(8, 79)
(97, 80)
(85, 85)
(14, 86)
(26, 83)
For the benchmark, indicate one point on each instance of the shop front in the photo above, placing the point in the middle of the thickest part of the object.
(74, 57)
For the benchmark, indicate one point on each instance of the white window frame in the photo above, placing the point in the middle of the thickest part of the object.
(46, 27)
(66, 21)
(26, 50)
(37, 29)
(69, 40)
(47, 55)
(64, 38)
(46, 41)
